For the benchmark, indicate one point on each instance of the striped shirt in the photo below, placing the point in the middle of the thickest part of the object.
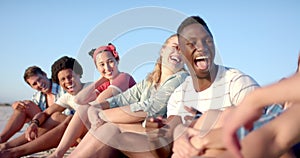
(228, 89)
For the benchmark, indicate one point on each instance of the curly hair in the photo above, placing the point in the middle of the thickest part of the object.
(65, 63)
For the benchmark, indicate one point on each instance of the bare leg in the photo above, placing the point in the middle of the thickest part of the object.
(44, 142)
(141, 146)
(17, 120)
(50, 123)
(76, 129)
(90, 146)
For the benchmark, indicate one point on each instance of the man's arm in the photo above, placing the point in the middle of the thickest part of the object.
(39, 119)
(204, 134)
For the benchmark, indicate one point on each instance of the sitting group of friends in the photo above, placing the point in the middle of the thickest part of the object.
(188, 106)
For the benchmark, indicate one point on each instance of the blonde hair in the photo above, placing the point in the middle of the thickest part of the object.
(155, 75)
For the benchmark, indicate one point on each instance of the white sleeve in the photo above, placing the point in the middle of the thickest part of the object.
(240, 87)
(174, 102)
(63, 101)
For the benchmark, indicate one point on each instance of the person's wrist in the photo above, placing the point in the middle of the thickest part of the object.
(35, 121)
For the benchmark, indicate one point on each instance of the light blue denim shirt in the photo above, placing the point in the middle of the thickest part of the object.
(145, 97)
(40, 99)
(271, 112)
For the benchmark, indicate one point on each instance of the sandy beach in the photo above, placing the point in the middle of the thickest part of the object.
(5, 112)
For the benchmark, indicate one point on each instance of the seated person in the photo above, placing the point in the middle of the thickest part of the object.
(129, 109)
(111, 82)
(274, 138)
(211, 87)
(207, 141)
(49, 125)
(47, 92)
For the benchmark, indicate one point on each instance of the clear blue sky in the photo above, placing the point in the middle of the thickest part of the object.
(261, 38)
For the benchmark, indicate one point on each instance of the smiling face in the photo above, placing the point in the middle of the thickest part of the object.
(197, 46)
(170, 55)
(40, 83)
(69, 81)
(107, 65)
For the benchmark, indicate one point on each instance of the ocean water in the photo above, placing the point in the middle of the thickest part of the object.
(5, 112)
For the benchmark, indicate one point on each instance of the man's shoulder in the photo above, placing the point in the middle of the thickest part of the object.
(235, 74)
(231, 70)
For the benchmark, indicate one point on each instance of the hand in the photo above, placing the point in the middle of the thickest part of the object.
(93, 115)
(242, 115)
(193, 112)
(31, 132)
(19, 105)
(182, 146)
(156, 127)
(155, 122)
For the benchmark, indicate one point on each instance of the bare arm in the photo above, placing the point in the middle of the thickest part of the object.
(39, 119)
(250, 108)
(89, 93)
(269, 142)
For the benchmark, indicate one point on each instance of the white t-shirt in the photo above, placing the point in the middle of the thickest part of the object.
(228, 89)
(67, 99)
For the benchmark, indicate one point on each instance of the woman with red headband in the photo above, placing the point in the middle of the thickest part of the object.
(111, 82)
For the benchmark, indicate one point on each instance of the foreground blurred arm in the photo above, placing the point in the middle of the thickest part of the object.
(251, 108)
(273, 139)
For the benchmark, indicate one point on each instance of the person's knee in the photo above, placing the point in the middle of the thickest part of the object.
(26, 104)
(29, 103)
(58, 116)
(66, 122)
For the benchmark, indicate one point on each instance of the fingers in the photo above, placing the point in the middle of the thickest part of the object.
(230, 138)
(31, 132)
(191, 110)
(182, 146)
(19, 105)
(155, 122)
(32, 136)
(233, 146)
(188, 118)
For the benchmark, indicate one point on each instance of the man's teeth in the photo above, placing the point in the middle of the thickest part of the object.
(201, 58)
(71, 86)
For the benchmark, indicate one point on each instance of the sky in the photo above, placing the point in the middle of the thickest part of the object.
(259, 37)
